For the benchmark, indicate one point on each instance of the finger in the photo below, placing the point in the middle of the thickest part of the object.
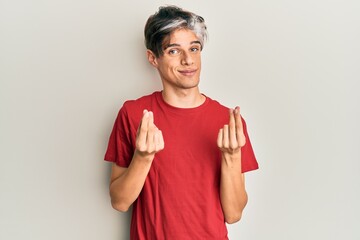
(151, 118)
(220, 138)
(159, 141)
(162, 142)
(226, 136)
(143, 128)
(150, 133)
(237, 117)
(239, 128)
(141, 121)
(233, 144)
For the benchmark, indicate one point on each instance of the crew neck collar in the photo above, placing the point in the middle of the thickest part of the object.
(179, 110)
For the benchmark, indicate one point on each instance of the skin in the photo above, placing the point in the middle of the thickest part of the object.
(126, 183)
(179, 68)
(232, 183)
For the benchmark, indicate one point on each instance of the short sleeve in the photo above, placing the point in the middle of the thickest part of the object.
(248, 159)
(120, 148)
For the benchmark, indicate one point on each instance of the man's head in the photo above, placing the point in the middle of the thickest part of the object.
(168, 19)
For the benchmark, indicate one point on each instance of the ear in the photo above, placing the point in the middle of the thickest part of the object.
(151, 58)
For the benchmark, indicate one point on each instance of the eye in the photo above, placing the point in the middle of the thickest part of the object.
(173, 51)
(194, 49)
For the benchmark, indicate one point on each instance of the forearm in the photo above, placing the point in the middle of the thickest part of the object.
(232, 188)
(127, 183)
(125, 189)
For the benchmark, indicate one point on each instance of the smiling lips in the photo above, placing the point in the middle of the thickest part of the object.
(189, 72)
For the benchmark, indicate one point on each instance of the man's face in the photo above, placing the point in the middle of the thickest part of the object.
(180, 65)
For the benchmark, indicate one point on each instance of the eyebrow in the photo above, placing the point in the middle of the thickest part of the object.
(178, 45)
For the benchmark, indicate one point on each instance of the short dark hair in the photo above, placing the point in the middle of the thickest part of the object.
(167, 20)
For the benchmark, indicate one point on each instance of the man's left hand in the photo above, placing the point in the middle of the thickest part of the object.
(231, 137)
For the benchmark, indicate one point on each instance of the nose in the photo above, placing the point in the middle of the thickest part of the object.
(187, 59)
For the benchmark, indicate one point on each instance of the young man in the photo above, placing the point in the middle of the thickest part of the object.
(179, 156)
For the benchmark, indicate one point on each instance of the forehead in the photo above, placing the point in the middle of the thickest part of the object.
(181, 37)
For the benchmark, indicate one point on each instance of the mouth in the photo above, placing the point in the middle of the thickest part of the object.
(188, 72)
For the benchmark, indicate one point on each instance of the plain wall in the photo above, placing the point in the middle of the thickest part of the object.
(66, 67)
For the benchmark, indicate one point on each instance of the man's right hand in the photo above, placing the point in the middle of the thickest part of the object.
(149, 139)
(127, 183)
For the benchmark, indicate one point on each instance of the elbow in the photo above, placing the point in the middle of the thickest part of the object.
(233, 218)
(118, 203)
(119, 206)
(234, 215)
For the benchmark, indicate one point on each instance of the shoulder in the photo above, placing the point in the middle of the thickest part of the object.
(216, 106)
(133, 109)
(139, 104)
(141, 101)
(220, 111)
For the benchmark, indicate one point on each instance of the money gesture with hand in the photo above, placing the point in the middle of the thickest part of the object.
(231, 137)
(149, 139)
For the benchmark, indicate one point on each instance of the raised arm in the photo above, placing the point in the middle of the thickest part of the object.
(127, 183)
(232, 183)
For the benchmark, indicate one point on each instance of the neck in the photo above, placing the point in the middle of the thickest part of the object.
(184, 98)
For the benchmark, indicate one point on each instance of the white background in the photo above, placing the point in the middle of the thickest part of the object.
(67, 66)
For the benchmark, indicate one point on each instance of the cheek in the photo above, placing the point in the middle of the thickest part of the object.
(168, 69)
(198, 58)
(172, 65)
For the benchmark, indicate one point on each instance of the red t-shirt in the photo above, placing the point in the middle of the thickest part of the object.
(180, 198)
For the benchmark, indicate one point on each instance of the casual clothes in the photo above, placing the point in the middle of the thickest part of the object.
(180, 198)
